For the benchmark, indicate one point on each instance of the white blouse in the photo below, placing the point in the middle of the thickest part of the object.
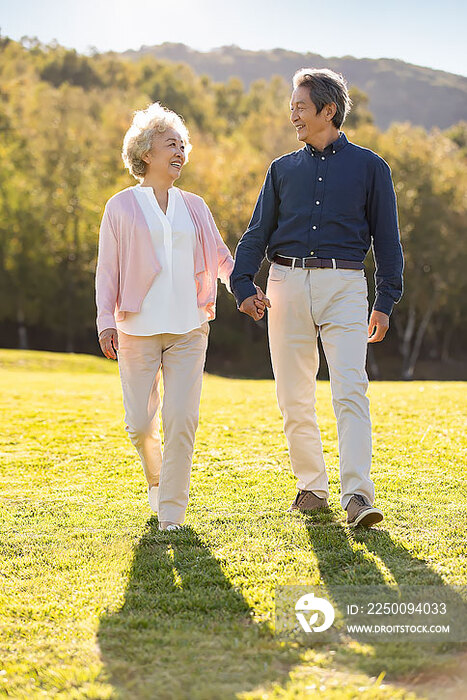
(171, 305)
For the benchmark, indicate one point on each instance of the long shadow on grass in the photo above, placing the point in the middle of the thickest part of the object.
(183, 631)
(347, 558)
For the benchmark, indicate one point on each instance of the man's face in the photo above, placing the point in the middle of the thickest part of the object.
(303, 116)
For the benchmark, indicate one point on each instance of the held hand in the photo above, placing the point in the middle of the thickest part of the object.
(378, 326)
(254, 306)
(261, 299)
(108, 340)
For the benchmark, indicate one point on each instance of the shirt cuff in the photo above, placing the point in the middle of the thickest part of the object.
(384, 304)
(105, 321)
(242, 291)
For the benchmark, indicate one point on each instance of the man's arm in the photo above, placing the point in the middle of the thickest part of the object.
(387, 250)
(252, 246)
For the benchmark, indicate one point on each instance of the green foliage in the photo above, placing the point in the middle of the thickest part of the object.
(62, 121)
(360, 113)
(430, 181)
(67, 66)
(458, 134)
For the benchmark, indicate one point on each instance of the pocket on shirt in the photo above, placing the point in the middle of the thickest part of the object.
(350, 274)
(277, 273)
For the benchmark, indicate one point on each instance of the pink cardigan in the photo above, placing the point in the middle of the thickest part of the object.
(127, 262)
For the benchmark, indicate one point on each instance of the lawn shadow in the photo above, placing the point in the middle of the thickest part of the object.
(350, 558)
(183, 631)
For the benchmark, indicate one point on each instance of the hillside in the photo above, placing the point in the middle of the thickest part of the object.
(398, 91)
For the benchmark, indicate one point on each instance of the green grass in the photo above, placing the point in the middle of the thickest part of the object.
(96, 603)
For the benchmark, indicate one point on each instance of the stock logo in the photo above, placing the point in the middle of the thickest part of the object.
(310, 605)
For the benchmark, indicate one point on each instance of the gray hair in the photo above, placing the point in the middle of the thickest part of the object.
(139, 137)
(325, 86)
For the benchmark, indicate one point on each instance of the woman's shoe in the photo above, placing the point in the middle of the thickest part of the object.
(166, 525)
(153, 498)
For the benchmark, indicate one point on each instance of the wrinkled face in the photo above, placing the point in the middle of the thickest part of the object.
(167, 155)
(303, 115)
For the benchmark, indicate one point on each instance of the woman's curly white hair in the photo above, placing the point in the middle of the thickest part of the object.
(139, 137)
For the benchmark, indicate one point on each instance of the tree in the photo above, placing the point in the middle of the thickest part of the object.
(430, 181)
(62, 121)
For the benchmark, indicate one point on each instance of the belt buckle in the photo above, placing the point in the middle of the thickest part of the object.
(295, 263)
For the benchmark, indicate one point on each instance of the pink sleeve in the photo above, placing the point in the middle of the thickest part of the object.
(107, 274)
(225, 261)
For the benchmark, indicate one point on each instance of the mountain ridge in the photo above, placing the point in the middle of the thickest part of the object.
(397, 90)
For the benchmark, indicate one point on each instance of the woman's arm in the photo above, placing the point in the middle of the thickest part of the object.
(225, 264)
(225, 261)
(107, 275)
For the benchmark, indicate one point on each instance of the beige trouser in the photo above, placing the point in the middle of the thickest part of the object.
(181, 358)
(334, 303)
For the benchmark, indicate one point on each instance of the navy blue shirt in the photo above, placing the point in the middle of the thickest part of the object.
(330, 204)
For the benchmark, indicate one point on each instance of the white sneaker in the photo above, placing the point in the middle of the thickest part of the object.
(153, 498)
(169, 526)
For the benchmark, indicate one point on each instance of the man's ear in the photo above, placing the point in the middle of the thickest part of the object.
(330, 111)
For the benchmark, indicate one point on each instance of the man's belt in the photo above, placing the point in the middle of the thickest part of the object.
(318, 262)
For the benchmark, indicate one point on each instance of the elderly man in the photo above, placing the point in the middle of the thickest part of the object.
(319, 211)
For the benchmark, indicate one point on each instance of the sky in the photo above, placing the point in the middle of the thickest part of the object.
(428, 33)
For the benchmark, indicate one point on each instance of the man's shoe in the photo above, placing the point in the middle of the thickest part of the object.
(307, 501)
(359, 512)
(153, 498)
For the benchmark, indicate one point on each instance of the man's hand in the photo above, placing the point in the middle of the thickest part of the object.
(254, 306)
(108, 340)
(378, 326)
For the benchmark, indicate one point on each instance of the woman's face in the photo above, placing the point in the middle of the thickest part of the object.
(167, 155)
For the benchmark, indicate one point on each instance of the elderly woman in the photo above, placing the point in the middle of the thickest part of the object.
(160, 255)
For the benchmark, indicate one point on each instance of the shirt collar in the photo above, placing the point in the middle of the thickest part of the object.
(332, 148)
(149, 190)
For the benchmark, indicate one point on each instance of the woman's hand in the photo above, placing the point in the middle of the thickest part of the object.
(108, 340)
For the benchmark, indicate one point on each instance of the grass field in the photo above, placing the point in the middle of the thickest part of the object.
(96, 603)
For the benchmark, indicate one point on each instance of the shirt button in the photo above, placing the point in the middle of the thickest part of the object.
(320, 179)
(333, 151)
(323, 158)
(317, 201)
(314, 229)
